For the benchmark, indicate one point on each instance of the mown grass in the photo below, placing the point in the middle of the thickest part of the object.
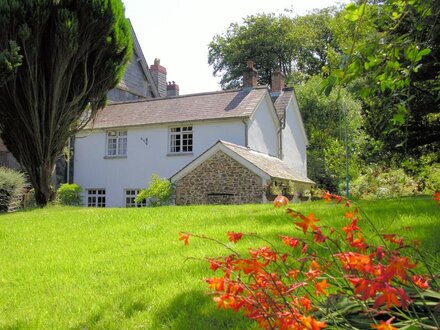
(82, 268)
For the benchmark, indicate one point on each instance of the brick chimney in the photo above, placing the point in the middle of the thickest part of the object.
(250, 75)
(159, 74)
(172, 89)
(277, 82)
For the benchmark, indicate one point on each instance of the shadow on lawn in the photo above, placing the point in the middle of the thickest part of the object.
(195, 310)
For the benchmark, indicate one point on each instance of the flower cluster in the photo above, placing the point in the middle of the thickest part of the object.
(323, 276)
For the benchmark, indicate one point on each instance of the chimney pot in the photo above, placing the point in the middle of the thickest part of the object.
(172, 89)
(250, 75)
(159, 74)
(277, 80)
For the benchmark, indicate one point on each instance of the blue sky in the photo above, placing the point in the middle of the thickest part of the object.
(178, 32)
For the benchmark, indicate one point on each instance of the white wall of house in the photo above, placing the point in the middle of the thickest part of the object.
(294, 139)
(94, 170)
(262, 129)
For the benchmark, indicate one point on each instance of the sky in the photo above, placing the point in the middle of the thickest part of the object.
(178, 32)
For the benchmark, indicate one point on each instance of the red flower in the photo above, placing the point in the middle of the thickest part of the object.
(234, 237)
(437, 197)
(384, 325)
(327, 196)
(388, 297)
(393, 239)
(280, 201)
(318, 237)
(397, 266)
(420, 281)
(184, 237)
(214, 264)
(289, 241)
(379, 253)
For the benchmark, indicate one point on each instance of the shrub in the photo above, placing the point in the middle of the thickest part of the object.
(358, 285)
(159, 192)
(12, 185)
(383, 183)
(69, 194)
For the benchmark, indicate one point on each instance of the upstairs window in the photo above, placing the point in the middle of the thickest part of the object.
(116, 143)
(181, 139)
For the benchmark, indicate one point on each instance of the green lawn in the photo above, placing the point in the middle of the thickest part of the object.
(85, 268)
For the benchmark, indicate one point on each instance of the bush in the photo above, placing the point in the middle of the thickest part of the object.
(12, 185)
(69, 194)
(383, 183)
(159, 192)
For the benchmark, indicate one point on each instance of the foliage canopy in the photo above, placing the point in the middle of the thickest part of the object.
(73, 52)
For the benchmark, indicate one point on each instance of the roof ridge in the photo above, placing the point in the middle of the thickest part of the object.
(224, 91)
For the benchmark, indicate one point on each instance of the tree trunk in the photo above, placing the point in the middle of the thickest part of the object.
(42, 185)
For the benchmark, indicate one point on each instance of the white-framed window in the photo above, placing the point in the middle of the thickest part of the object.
(181, 139)
(96, 197)
(116, 143)
(130, 195)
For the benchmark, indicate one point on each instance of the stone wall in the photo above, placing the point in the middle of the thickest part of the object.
(219, 180)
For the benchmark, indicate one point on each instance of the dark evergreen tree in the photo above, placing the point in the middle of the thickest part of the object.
(73, 52)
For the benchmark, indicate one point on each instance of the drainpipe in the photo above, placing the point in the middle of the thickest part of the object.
(280, 135)
(246, 142)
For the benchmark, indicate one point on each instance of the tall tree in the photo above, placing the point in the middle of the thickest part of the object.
(73, 52)
(299, 46)
(264, 38)
(399, 69)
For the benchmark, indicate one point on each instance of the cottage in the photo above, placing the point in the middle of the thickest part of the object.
(178, 137)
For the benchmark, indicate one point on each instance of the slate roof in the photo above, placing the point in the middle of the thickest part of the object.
(273, 166)
(193, 107)
(281, 100)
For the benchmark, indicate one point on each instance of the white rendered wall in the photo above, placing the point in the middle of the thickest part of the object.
(92, 170)
(294, 142)
(262, 129)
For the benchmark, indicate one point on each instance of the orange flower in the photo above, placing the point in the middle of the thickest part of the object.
(234, 237)
(307, 222)
(184, 237)
(437, 197)
(293, 273)
(393, 239)
(310, 323)
(320, 287)
(356, 261)
(384, 325)
(228, 301)
(218, 284)
(327, 196)
(280, 201)
(420, 281)
(290, 241)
